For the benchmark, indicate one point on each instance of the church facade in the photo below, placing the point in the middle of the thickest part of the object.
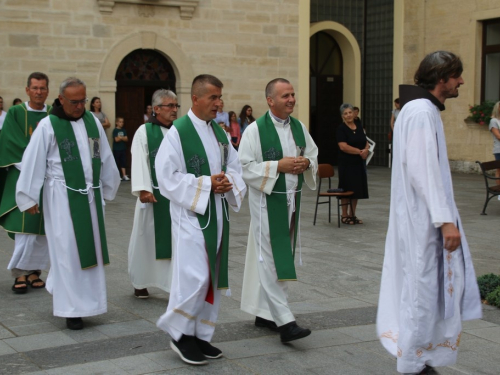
(333, 51)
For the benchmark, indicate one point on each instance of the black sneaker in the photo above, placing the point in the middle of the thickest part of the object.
(261, 322)
(291, 331)
(141, 293)
(188, 350)
(208, 350)
(428, 370)
(74, 323)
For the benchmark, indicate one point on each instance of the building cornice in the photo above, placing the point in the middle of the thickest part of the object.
(186, 7)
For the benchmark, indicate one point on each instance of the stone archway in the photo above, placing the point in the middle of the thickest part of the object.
(145, 40)
(351, 55)
(335, 78)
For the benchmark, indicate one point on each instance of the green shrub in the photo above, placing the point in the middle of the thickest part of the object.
(487, 284)
(493, 298)
(481, 113)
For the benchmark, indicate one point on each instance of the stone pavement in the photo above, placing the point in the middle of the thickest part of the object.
(336, 296)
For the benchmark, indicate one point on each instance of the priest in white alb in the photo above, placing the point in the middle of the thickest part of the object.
(150, 247)
(70, 157)
(277, 155)
(199, 172)
(428, 282)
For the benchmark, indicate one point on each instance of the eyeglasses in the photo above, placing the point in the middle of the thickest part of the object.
(169, 106)
(76, 102)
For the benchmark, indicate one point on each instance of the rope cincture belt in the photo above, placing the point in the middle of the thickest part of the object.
(85, 191)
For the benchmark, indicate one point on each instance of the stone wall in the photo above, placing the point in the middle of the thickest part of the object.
(243, 42)
(455, 26)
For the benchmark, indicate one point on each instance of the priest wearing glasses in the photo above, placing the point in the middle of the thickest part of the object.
(69, 156)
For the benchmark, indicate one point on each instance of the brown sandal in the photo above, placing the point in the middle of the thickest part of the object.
(356, 220)
(22, 289)
(35, 281)
(347, 220)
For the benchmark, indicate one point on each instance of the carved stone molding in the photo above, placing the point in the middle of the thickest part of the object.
(186, 7)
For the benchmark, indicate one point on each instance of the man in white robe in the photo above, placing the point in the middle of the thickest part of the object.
(428, 282)
(197, 188)
(145, 268)
(76, 292)
(264, 290)
(31, 252)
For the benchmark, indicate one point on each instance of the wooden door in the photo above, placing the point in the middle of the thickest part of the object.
(130, 106)
(327, 117)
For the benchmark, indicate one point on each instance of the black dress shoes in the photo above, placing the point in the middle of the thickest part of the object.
(74, 323)
(291, 331)
(261, 322)
(189, 351)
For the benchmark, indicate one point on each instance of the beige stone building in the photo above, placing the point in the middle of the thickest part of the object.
(333, 51)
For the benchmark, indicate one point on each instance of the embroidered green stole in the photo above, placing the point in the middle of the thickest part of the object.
(161, 209)
(197, 163)
(17, 129)
(277, 208)
(75, 180)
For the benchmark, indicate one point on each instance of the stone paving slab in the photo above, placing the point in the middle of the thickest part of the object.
(39, 341)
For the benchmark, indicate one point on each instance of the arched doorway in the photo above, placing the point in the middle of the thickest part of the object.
(139, 75)
(326, 94)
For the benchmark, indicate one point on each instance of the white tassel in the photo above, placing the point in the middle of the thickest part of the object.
(300, 260)
(228, 292)
(143, 206)
(261, 259)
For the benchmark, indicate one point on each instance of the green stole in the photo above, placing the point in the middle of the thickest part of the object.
(197, 164)
(17, 129)
(277, 209)
(75, 179)
(161, 209)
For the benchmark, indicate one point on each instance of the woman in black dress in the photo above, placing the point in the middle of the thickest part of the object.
(353, 151)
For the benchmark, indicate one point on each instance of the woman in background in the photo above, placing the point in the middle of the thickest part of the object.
(245, 118)
(353, 151)
(495, 133)
(95, 108)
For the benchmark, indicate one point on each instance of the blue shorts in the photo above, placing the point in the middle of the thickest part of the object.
(497, 156)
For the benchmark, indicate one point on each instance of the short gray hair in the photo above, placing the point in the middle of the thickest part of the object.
(70, 82)
(270, 86)
(161, 94)
(344, 106)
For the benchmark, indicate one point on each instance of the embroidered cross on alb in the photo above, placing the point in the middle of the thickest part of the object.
(67, 145)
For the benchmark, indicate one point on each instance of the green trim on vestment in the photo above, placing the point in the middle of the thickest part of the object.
(277, 208)
(74, 177)
(18, 126)
(197, 163)
(161, 209)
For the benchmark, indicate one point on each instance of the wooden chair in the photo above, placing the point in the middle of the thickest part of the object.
(327, 171)
(492, 190)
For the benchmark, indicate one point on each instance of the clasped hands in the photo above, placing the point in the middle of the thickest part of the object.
(293, 165)
(220, 183)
